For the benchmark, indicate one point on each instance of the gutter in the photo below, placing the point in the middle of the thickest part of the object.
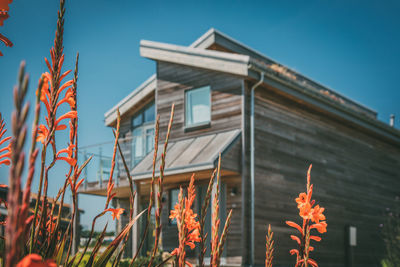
(252, 160)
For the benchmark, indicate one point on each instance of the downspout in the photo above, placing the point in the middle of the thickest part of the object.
(252, 141)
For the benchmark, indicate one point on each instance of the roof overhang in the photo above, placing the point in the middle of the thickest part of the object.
(315, 99)
(215, 37)
(196, 57)
(276, 76)
(189, 155)
(134, 98)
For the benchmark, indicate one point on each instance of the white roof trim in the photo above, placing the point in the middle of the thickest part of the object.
(133, 98)
(196, 57)
(201, 42)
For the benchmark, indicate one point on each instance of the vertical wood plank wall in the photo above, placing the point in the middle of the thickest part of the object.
(226, 106)
(173, 80)
(355, 176)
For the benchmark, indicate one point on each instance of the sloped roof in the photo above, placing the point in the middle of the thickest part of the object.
(276, 76)
(189, 154)
(238, 59)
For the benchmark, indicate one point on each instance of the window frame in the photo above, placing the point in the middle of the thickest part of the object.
(145, 125)
(141, 113)
(201, 125)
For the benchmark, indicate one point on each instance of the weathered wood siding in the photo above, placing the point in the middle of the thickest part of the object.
(226, 105)
(234, 201)
(355, 176)
(232, 159)
(173, 80)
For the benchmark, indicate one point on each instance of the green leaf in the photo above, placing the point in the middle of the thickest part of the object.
(103, 259)
(96, 247)
(60, 251)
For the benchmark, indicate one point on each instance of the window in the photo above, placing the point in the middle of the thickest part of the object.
(197, 106)
(142, 133)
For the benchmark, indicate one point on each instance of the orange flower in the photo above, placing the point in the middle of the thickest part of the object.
(321, 227)
(69, 159)
(310, 214)
(69, 150)
(68, 115)
(4, 8)
(317, 214)
(44, 92)
(43, 132)
(301, 200)
(188, 227)
(295, 225)
(4, 158)
(3, 16)
(306, 211)
(50, 96)
(116, 213)
(68, 98)
(35, 260)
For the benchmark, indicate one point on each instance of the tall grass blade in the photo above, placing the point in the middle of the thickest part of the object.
(106, 255)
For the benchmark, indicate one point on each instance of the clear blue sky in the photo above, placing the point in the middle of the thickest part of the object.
(350, 46)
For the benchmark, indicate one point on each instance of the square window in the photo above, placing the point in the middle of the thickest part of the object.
(149, 113)
(149, 140)
(137, 143)
(137, 120)
(142, 133)
(197, 106)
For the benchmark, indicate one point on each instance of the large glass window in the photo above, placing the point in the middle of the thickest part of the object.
(197, 106)
(142, 133)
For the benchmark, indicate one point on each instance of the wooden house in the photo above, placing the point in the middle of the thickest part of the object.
(269, 123)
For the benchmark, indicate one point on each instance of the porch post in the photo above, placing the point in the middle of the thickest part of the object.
(135, 227)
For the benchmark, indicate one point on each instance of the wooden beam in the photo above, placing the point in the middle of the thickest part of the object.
(195, 57)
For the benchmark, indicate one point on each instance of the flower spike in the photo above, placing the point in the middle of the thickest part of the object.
(313, 218)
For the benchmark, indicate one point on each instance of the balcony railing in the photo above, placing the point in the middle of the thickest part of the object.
(98, 170)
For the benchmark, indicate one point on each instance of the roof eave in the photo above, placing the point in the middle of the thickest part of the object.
(244, 65)
(196, 57)
(327, 104)
(146, 88)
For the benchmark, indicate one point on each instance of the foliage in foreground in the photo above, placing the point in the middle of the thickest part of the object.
(391, 236)
(36, 239)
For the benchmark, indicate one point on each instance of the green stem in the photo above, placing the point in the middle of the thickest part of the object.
(38, 198)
